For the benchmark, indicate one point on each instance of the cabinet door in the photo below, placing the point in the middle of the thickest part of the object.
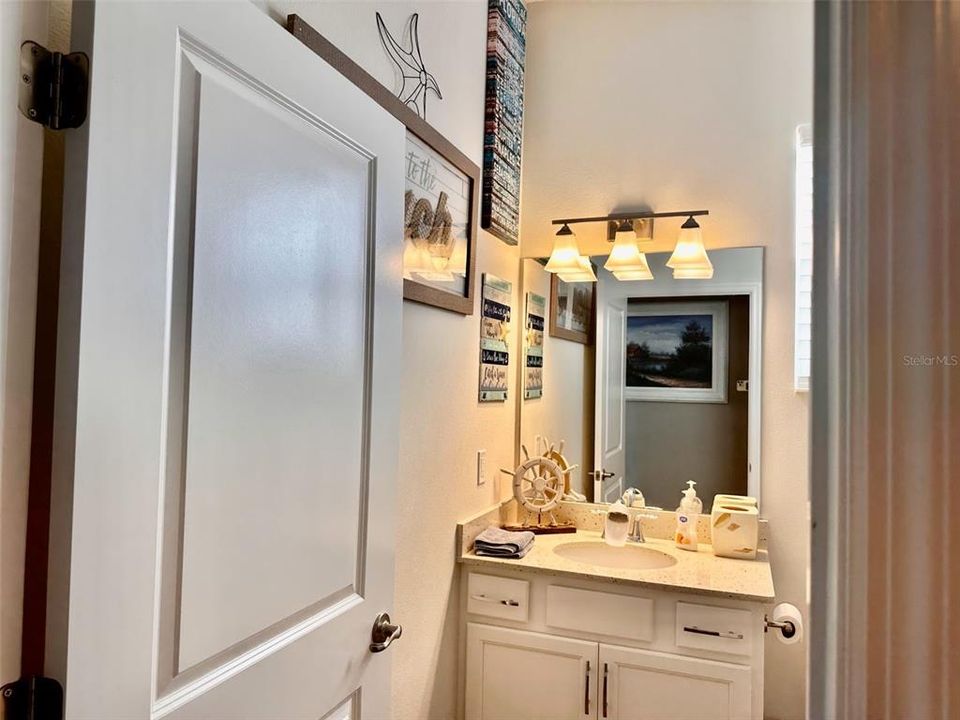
(646, 685)
(512, 674)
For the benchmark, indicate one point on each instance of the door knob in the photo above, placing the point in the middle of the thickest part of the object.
(384, 632)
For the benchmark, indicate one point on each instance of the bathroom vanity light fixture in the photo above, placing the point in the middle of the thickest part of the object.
(566, 260)
(627, 231)
(626, 262)
(689, 260)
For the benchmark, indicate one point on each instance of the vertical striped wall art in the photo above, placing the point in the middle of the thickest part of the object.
(503, 122)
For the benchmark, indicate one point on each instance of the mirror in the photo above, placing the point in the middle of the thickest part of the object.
(650, 383)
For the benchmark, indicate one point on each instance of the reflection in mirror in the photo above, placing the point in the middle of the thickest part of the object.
(666, 388)
(564, 412)
(684, 417)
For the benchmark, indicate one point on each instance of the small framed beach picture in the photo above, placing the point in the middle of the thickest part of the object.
(677, 352)
(571, 310)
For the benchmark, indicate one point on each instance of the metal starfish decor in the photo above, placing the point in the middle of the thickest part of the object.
(416, 80)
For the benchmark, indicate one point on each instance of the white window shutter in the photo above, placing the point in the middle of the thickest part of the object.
(803, 244)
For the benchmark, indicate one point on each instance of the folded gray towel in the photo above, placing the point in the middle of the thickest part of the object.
(495, 542)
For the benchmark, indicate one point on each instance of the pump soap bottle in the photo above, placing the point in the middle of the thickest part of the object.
(687, 515)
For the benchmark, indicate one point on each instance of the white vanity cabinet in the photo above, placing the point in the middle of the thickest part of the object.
(558, 648)
(644, 685)
(518, 674)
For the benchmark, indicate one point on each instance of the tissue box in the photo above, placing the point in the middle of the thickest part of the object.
(734, 529)
(735, 499)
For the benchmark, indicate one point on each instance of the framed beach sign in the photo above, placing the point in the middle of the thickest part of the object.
(533, 347)
(437, 227)
(677, 352)
(441, 193)
(494, 338)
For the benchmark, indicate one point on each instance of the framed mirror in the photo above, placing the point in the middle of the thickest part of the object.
(668, 390)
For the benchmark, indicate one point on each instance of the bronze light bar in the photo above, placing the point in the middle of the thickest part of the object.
(638, 215)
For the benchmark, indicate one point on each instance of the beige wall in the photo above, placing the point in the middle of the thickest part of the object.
(682, 105)
(442, 423)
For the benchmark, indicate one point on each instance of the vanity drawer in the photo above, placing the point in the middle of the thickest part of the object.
(706, 627)
(624, 616)
(498, 597)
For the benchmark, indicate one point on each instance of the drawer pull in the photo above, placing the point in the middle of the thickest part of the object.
(713, 633)
(586, 691)
(484, 598)
(604, 689)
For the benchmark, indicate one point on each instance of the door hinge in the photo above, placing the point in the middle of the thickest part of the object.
(33, 698)
(53, 86)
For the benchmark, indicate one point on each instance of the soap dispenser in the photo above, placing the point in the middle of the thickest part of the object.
(687, 515)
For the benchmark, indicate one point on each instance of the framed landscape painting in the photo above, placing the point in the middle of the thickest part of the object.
(677, 352)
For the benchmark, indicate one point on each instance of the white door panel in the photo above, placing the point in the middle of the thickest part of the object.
(611, 387)
(277, 247)
(236, 433)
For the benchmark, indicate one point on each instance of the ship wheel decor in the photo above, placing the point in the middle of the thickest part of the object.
(555, 453)
(538, 486)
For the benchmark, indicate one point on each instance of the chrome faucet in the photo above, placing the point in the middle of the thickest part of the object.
(636, 529)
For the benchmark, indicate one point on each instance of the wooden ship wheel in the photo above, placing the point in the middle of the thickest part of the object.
(538, 486)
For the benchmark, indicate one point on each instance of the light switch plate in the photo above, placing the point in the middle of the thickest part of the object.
(481, 467)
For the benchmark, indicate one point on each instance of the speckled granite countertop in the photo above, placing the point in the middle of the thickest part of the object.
(698, 572)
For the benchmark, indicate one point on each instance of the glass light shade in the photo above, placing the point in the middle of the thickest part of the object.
(565, 257)
(626, 261)
(689, 260)
(583, 273)
(642, 273)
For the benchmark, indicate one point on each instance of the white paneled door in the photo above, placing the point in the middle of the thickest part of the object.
(611, 381)
(228, 385)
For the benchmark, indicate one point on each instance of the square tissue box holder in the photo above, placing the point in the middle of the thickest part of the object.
(735, 526)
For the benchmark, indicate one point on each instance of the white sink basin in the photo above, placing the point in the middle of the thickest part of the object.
(629, 557)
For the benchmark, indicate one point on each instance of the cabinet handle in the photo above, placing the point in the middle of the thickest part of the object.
(713, 633)
(484, 598)
(586, 691)
(604, 689)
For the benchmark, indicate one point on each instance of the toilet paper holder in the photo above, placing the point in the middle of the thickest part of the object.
(786, 628)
